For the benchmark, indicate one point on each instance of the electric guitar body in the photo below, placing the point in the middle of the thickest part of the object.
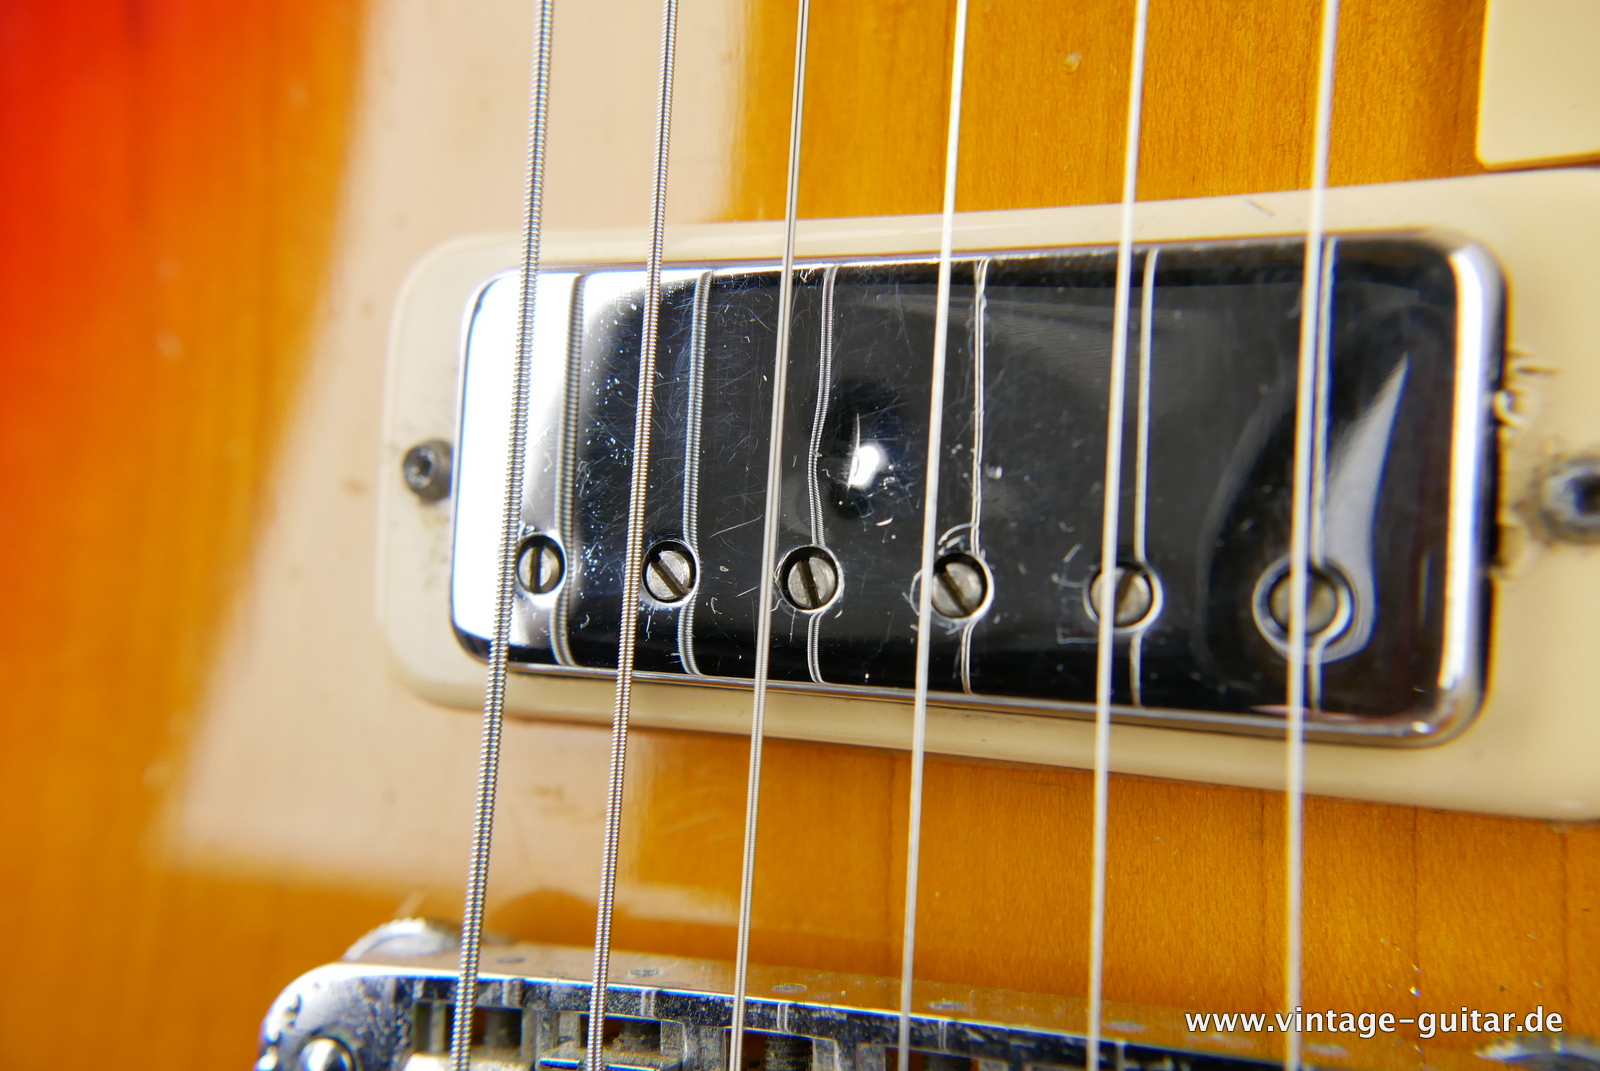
(219, 769)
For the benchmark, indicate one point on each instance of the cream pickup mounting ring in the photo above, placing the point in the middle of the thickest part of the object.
(1438, 568)
(1403, 435)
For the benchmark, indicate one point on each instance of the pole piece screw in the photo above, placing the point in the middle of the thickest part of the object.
(960, 585)
(1134, 596)
(540, 565)
(669, 572)
(1324, 603)
(426, 468)
(809, 578)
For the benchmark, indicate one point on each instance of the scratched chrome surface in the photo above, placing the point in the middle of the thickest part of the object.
(1403, 484)
(389, 1004)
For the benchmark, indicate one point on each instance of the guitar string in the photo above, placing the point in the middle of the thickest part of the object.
(628, 627)
(691, 458)
(930, 528)
(567, 467)
(980, 309)
(1141, 464)
(494, 709)
(1319, 459)
(819, 412)
(1312, 341)
(1311, 329)
(772, 509)
(494, 700)
(1111, 501)
(830, 279)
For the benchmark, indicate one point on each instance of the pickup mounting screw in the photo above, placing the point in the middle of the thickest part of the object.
(426, 468)
(1569, 499)
(540, 565)
(669, 571)
(809, 578)
(1134, 596)
(960, 585)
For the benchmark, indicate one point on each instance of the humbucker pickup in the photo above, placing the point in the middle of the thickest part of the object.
(1402, 487)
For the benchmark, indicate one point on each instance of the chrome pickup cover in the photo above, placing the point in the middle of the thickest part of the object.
(1401, 496)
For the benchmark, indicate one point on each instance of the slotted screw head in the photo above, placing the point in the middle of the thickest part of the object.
(540, 565)
(669, 572)
(810, 578)
(1322, 602)
(426, 469)
(1133, 597)
(960, 586)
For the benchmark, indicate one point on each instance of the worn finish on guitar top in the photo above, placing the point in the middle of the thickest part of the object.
(168, 178)
(1406, 910)
(181, 162)
(1227, 105)
(1488, 912)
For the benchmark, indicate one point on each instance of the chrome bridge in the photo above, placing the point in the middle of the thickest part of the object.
(392, 1003)
(1401, 494)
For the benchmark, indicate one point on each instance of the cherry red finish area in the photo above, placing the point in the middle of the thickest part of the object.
(169, 175)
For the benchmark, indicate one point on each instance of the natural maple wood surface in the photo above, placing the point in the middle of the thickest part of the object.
(1227, 104)
(1491, 913)
(1406, 910)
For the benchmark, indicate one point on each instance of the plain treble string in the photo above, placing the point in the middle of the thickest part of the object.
(633, 558)
(930, 528)
(1306, 398)
(771, 512)
(980, 310)
(691, 456)
(1107, 585)
(1141, 460)
(830, 280)
(494, 701)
